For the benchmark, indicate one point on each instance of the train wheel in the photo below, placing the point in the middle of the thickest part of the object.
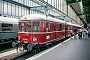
(35, 51)
(24, 46)
(36, 48)
(21, 47)
(29, 47)
(13, 44)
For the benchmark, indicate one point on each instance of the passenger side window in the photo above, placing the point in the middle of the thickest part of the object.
(61, 27)
(70, 27)
(47, 26)
(54, 27)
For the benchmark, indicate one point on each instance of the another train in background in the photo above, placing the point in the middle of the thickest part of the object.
(36, 29)
(8, 30)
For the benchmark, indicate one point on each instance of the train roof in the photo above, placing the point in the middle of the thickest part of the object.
(43, 17)
(8, 20)
(40, 17)
(73, 24)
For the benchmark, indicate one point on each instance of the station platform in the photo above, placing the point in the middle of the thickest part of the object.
(71, 49)
(7, 53)
(11, 54)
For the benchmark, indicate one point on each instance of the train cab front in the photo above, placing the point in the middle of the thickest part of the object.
(27, 30)
(24, 32)
(24, 37)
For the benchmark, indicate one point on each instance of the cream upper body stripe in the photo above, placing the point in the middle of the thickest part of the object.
(40, 32)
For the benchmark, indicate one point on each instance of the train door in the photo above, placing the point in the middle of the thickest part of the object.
(54, 30)
(69, 27)
(28, 30)
(51, 31)
(57, 30)
(36, 36)
(47, 30)
(66, 30)
(62, 33)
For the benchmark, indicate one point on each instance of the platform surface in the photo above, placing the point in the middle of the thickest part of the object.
(73, 49)
(7, 53)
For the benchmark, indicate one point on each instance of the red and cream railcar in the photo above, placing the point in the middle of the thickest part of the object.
(39, 29)
(72, 26)
(67, 30)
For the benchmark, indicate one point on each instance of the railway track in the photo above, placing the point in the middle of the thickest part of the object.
(24, 54)
(13, 55)
(30, 54)
(8, 53)
(5, 46)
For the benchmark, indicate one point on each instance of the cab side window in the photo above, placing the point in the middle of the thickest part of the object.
(22, 26)
(28, 26)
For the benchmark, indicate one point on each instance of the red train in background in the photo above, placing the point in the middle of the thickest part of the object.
(37, 29)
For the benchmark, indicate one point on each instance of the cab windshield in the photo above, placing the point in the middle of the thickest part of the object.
(26, 26)
(35, 26)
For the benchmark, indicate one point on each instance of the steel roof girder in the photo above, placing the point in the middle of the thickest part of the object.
(61, 17)
(16, 3)
(38, 2)
(40, 8)
(43, 3)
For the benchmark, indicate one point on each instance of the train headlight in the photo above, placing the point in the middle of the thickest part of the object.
(34, 39)
(47, 37)
(2, 40)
